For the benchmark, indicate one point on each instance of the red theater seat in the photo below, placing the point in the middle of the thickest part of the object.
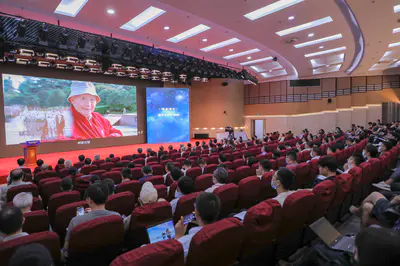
(79, 165)
(87, 169)
(343, 188)
(107, 166)
(266, 191)
(244, 171)
(233, 177)
(237, 163)
(98, 173)
(127, 158)
(303, 176)
(218, 243)
(281, 162)
(60, 199)
(133, 186)
(28, 174)
(35, 221)
(123, 203)
(48, 189)
(156, 180)
(203, 182)
(356, 173)
(210, 168)
(194, 172)
(171, 192)
(49, 240)
(162, 191)
(158, 169)
(185, 206)
(98, 162)
(228, 194)
(324, 195)
(113, 175)
(63, 172)
(249, 190)
(44, 174)
(13, 191)
(137, 173)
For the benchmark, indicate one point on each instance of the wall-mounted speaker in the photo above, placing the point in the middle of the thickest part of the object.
(329, 100)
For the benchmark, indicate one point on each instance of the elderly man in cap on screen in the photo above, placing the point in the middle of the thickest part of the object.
(87, 123)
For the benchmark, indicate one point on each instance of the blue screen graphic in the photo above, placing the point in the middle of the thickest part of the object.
(167, 115)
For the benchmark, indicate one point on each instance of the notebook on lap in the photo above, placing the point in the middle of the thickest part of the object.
(161, 231)
(331, 237)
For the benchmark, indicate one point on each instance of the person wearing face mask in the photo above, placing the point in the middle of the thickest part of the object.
(327, 167)
(315, 153)
(354, 160)
(87, 123)
(369, 152)
(282, 181)
(291, 159)
(384, 147)
(185, 187)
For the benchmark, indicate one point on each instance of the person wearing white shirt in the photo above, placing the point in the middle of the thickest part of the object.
(220, 177)
(168, 168)
(185, 187)
(187, 164)
(207, 210)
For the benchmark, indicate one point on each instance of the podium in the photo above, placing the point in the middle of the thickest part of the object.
(30, 152)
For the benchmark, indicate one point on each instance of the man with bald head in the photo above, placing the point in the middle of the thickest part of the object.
(16, 177)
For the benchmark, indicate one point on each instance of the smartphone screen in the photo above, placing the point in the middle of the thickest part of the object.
(80, 211)
(188, 218)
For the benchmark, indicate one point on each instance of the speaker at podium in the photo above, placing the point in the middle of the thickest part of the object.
(30, 151)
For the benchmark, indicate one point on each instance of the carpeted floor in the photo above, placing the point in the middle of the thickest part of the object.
(7, 164)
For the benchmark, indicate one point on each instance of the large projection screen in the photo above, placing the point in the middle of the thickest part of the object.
(167, 115)
(52, 110)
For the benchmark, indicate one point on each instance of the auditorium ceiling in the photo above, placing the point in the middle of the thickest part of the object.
(308, 38)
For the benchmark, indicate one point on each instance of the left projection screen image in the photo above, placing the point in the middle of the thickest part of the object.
(51, 110)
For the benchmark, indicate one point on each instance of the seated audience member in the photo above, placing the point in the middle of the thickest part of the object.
(207, 209)
(81, 158)
(246, 155)
(88, 161)
(31, 255)
(175, 174)
(139, 150)
(282, 181)
(307, 146)
(97, 195)
(108, 160)
(152, 154)
(94, 179)
(384, 147)
(66, 184)
(168, 167)
(298, 145)
(23, 201)
(197, 147)
(291, 159)
(331, 150)
(16, 177)
(276, 154)
(189, 146)
(61, 161)
(109, 183)
(111, 156)
(131, 165)
(44, 167)
(96, 157)
(370, 151)
(265, 166)
(251, 160)
(354, 160)
(147, 172)
(185, 187)
(280, 148)
(221, 158)
(220, 176)
(349, 142)
(11, 221)
(126, 175)
(37, 169)
(264, 150)
(72, 172)
(187, 164)
(339, 145)
(287, 146)
(315, 153)
(202, 164)
(20, 163)
(163, 157)
(327, 167)
(68, 164)
(377, 206)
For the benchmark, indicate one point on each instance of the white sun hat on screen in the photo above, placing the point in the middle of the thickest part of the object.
(80, 87)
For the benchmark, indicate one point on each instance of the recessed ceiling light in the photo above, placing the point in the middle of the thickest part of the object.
(220, 45)
(189, 33)
(291, 18)
(242, 53)
(272, 8)
(111, 11)
(249, 57)
(270, 70)
(395, 60)
(70, 8)
(143, 18)
(305, 26)
(311, 35)
(326, 51)
(166, 28)
(230, 50)
(321, 47)
(256, 61)
(395, 44)
(276, 73)
(204, 40)
(396, 8)
(326, 39)
(396, 30)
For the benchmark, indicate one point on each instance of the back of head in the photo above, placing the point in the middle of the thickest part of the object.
(139, 150)
(332, 148)
(39, 162)
(377, 246)
(126, 173)
(96, 157)
(208, 206)
(287, 177)
(387, 144)
(68, 163)
(339, 145)
(358, 159)
(266, 165)
(61, 161)
(329, 162)
(372, 149)
(291, 156)
(187, 163)
(201, 161)
(72, 171)
(316, 151)
(186, 185)
(23, 200)
(169, 166)
(276, 154)
(251, 160)
(98, 193)
(11, 220)
(108, 160)
(16, 174)
(176, 173)
(153, 153)
(66, 184)
(147, 170)
(221, 175)
(111, 156)
(81, 158)
(222, 157)
(148, 194)
(31, 255)
(94, 179)
(109, 183)
(21, 162)
(88, 161)
(44, 167)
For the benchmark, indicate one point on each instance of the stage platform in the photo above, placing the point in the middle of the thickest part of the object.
(8, 164)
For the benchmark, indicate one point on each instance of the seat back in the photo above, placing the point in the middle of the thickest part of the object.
(98, 173)
(266, 191)
(60, 199)
(237, 163)
(218, 243)
(145, 216)
(123, 203)
(48, 189)
(114, 175)
(194, 172)
(158, 169)
(79, 165)
(213, 159)
(303, 177)
(133, 186)
(163, 253)
(127, 157)
(233, 177)
(244, 171)
(185, 206)
(136, 173)
(228, 194)
(306, 155)
(203, 182)
(86, 169)
(107, 166)
(281, 162)
(249, 190)
(97, 162)
(156, 180)
(210, 168)
(35, 221)
(63, 172)
(13, 191)
(49, 240)
(44, 174)
(324, 195)
(162, 191)
(87, 248)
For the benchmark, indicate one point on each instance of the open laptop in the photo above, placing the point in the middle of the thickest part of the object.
(161, 231)
(331, 237)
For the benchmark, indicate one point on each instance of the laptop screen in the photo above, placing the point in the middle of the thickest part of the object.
(325, 231)
(161, 231)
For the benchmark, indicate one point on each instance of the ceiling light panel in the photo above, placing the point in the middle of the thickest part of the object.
(326, 51)
(220, 45)
(256, 61)
(143, 18)
(395, 44)
(396, 8)
(276, 73)
(189, 33)
(266, 67)
(390, 55)
(323, 70)
(272, 8)
(327, 60)
(396, 30)
(381, 66)
(70, 7)
(305, 26)
(252, 51)
(326, 39)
